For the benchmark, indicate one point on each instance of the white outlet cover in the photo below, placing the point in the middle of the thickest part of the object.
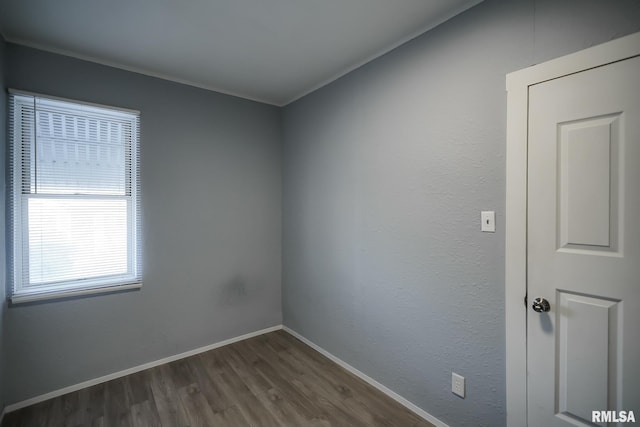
(457, 384)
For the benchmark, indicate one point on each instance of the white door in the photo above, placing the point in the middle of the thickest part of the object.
(583, 246)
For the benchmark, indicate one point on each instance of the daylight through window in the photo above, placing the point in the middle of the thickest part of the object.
(75, 201)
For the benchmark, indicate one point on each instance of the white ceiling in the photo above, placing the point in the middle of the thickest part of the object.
(274, 51)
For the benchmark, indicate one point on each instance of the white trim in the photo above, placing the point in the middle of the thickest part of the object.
(137, 70)
(115, 375)
(56, 393)
(21, 298)
(13, 91)
(4, 411)
(516, 257)
(431, 25)
(518, 84)
(23, 290)
(392, 394)
(304, 92)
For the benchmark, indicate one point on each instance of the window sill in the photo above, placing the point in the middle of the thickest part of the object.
(32, 297)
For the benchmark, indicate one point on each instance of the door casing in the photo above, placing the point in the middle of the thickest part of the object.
(518, 84)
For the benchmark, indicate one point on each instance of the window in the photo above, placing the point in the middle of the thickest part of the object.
(75, 200)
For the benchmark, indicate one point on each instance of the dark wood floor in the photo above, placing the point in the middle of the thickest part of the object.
(269, 380)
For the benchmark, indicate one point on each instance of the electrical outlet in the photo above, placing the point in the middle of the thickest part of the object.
(457, 384)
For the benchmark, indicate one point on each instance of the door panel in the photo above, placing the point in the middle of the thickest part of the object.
(589, 332)
(584, 161)
(583, 245)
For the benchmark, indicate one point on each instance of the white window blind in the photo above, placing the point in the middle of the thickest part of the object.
(75, 199)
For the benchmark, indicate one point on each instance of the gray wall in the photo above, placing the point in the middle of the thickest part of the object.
(3, 304)
(385, 174)
(211, 182)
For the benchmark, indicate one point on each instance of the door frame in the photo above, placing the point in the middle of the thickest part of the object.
(518, 84)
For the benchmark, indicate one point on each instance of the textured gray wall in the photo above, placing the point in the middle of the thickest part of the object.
(385, 174)
(3, 304)
(211, 182)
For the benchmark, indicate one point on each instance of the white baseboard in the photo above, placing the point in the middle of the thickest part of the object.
(89, 383)
(392, 394)
(395, 396)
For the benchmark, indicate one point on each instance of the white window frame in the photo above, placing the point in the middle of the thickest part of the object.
(21, 292)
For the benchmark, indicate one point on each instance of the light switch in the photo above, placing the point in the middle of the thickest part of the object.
(488, 221)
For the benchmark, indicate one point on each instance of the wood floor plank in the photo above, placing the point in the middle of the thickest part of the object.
(145, 414)
(196, 407)
(255, 414)
(246, 372)
(282, 410)
(181, 373)
(271, 380)
(213, 362)
(210, 387)
(137, 387)
(94, 406)
(348, 385)
(326, 389)
(297, 375)
(233, 417)
(116, 403)
(283, 380)
(165, 396)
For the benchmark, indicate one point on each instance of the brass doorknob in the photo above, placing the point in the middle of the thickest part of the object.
(541, 305)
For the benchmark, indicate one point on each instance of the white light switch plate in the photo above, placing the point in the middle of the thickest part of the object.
(488, 221)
